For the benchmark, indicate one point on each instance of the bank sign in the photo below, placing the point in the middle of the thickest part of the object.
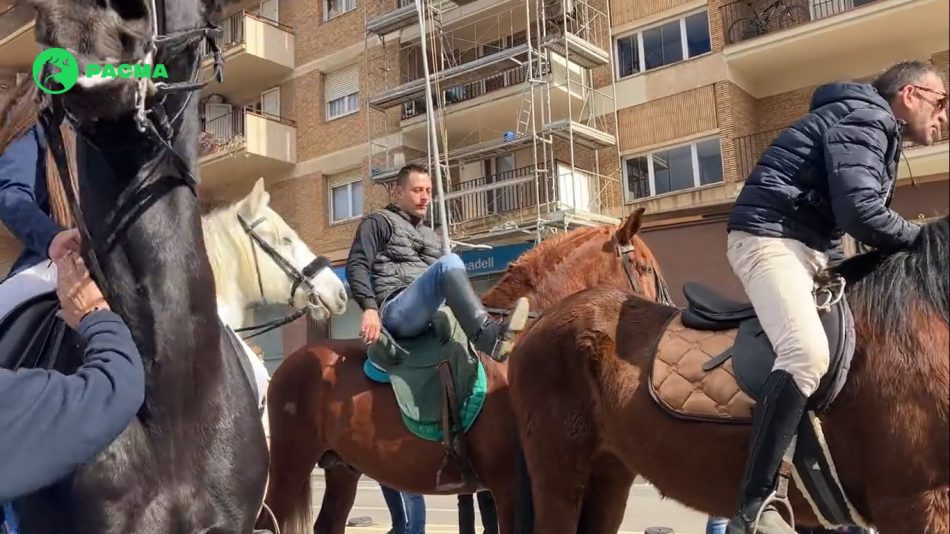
(64, 70)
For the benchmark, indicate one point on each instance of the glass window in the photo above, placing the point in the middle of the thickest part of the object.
(697, 34)
(638, 177)
(628, 55)
(662, 45)
(346, 201)
(673, 169)
(709, 157)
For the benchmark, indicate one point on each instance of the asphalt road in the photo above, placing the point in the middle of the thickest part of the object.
(645, 509)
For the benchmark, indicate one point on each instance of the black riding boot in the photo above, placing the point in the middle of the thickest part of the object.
(491, 337)
(775, 421)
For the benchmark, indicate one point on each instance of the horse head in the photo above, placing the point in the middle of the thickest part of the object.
(257, 257)
(582, 259)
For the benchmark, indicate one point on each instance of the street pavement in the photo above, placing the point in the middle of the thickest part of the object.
(645, 509)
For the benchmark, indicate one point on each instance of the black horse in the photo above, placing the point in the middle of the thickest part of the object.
(194, 460)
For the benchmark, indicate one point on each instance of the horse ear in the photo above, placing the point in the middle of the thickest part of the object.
(257, 200)
(630, 226)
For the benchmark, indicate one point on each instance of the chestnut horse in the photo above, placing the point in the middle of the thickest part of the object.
(323, 410)
(588, 424)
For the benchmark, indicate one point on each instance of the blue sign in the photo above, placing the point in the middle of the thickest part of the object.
(477, 262)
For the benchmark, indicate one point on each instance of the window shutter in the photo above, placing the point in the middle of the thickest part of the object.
(342, 82)
(343, 178)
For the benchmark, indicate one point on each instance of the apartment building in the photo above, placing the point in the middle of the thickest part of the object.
(549, 114)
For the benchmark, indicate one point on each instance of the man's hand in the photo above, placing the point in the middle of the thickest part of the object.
(63, 243)
(78, 294)
(370, 326)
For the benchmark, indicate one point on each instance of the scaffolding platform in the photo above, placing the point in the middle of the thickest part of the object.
(394, 20)
(577, 50)
(583, 134)
(478, 69)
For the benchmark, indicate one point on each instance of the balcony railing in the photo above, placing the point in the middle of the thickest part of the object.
(226, 132)
(232, 30)
(747, 19)
(471, 200)
(462, 93)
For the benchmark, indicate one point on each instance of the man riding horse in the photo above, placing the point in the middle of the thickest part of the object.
(833, 171)
(400, 277)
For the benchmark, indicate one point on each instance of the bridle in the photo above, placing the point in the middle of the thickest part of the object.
(300, 278)
(158, 122)
(629, 269)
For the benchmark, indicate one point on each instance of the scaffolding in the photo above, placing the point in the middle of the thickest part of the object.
(534, 61)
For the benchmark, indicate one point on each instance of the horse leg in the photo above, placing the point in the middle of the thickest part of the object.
(338, 500)
(925, 513)
(605, 500)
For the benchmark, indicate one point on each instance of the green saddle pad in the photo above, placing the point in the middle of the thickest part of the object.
(412, 366)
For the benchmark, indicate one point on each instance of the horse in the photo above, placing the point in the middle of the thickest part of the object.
(580, 386)
(194, 459)
(257, 258)
(324, 411)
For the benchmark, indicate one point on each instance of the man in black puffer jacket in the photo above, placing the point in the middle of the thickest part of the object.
(833, 171)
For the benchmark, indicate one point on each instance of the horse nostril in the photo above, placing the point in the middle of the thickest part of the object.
(343, 295)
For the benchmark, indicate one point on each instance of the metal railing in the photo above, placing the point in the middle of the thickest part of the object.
(224, 132)
(232, 30)
(467, 206)
(462, 93)
(579, 18)
(747, 19)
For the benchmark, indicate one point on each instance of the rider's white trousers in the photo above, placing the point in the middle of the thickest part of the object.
(778, 276)
(32, 281)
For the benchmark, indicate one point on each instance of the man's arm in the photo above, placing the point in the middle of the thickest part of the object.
(18, 209)
(854, 157)
(53, 422)
(372, 235)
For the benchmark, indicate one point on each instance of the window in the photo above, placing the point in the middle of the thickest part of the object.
(342, 92)
(673, 169)
(346, 196)
(335, 8)
(663, 45)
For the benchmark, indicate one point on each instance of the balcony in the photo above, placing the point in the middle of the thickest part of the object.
(492, 205)
(775, 47)
(17, 42)
(578, 31)
(258, 53)
(244, 145)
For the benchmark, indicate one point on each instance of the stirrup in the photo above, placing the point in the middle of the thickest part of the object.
(780, 493)
(828, 291)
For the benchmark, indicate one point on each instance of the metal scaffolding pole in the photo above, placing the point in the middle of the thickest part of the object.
(430, 120)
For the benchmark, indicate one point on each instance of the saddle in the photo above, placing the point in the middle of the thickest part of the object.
(440, 386)
(714, 357)
(33, 335)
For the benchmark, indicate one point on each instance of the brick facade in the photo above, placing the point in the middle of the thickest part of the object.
(622, 13)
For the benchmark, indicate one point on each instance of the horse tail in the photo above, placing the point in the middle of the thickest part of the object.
(524, 505)
(299, 518)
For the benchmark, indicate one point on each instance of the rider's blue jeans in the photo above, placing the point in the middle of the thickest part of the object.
(409, 312)
(407, 510)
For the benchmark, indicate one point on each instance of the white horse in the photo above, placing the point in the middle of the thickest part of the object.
(258, 258)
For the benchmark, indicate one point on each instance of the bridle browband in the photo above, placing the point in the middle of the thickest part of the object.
(299, 277)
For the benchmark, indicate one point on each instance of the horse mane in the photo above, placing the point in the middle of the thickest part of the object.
(524, 274)
(889, 290)
(217, 227)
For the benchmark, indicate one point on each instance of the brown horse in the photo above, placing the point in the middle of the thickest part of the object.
(588, 424)
(323, 410)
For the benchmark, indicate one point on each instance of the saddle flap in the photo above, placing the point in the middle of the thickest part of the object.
(32, 335)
